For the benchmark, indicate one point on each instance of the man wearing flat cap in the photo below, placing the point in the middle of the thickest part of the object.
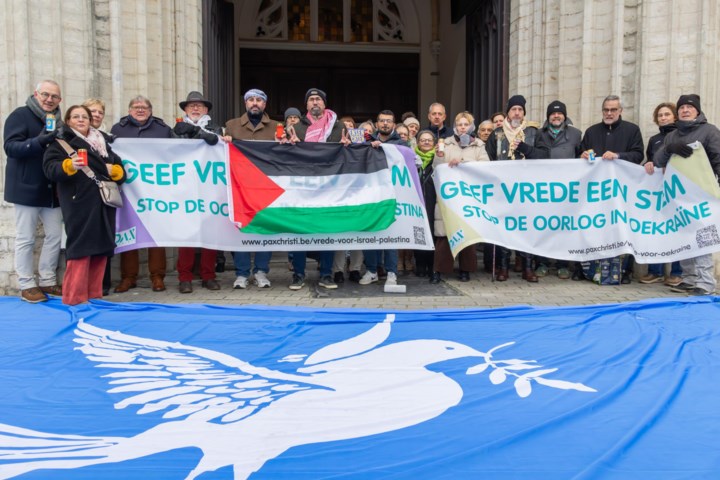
(320, 124)
(698, 277)
(197, 124)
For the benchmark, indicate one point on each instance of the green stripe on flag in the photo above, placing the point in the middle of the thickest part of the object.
(368, 217)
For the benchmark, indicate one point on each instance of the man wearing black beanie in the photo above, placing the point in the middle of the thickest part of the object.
(698, 277)
(558, 135)
(515, 140)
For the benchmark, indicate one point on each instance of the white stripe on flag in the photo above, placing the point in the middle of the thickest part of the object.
(334, 190)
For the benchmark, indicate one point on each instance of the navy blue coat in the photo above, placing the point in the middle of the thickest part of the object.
(153, 128)
(25, 181)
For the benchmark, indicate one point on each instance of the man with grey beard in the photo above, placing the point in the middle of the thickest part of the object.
(515, 140)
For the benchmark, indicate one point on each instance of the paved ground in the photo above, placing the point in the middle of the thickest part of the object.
(479, 292)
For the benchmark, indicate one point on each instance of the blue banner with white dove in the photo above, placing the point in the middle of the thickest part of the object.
(118, 391)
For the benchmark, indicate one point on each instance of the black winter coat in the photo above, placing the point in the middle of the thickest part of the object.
(621, 137)
(89, 223)
(656, 141)
(153, 128)
(499, 151)
(25, 181)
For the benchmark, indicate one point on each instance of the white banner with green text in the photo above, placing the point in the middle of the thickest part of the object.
(576, 210)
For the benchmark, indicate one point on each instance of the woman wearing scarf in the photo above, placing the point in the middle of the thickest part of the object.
(425, 151)
(462, 147)
(89, 223)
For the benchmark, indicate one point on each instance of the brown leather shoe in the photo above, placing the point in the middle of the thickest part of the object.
(185, 287)
(125, 285)
(501, 275)
(211, 284)
(158, 285)
(33, 295)
(529, 275)
(55, 290)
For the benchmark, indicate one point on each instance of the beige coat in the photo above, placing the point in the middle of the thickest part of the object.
(475, 152)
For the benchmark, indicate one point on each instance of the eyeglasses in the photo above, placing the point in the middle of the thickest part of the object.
(386, 120)
(45, 96)
(425, 140)
(610, 110)
(79, 117)
(140, 107)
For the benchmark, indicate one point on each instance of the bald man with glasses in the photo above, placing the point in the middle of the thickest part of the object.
(28, 131)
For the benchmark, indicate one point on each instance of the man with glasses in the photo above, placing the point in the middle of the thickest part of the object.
(385, 128)
(140, 123)
(28, 131)
(614, 139)
(197, 124)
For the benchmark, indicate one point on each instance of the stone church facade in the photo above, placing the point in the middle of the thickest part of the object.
(577, 51)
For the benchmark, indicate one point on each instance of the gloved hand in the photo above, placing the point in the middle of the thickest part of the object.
(184, 129)
(46, 139)
(679, 148)
(210, 138)
(523, 148)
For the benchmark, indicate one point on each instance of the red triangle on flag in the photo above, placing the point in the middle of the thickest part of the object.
(252, 190)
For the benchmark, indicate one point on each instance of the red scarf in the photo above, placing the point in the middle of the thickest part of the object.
(319, 130)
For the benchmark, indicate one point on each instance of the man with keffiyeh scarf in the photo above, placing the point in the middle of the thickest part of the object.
(34, 196)
(515, 140)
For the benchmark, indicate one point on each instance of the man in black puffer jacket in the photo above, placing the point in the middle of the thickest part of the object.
(698, 273)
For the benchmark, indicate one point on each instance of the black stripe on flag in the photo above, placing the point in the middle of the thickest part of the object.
(312, 159)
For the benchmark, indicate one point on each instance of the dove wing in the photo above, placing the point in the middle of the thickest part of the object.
(181, 380)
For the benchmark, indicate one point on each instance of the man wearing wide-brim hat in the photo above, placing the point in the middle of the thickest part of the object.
(196, 123)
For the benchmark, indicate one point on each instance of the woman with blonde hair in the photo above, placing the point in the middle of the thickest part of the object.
(462, 147)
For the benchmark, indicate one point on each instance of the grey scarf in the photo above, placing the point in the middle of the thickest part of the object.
(35, 108)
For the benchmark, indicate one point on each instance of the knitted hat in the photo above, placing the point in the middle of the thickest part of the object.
(556, 106)
(316, 91)
(691, 99)
(255, 92)
(195, 97)
(411, 121)
(516, 100)
(290, 112)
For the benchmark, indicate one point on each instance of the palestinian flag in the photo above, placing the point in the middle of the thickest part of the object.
(309, 188)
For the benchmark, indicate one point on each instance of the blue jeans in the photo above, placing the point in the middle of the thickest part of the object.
(326, 260)
(374, 257)
(242, 263)
(658, 269)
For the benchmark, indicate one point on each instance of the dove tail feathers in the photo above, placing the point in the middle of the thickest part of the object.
(23, 450)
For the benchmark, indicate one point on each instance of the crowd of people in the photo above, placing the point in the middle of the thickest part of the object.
(59, 170)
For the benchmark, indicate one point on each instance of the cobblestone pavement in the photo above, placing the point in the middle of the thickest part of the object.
(480, 291)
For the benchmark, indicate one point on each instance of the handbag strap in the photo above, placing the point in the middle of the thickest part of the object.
(73, 154)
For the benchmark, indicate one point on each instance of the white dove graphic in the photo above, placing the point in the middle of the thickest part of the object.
(242, 415)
